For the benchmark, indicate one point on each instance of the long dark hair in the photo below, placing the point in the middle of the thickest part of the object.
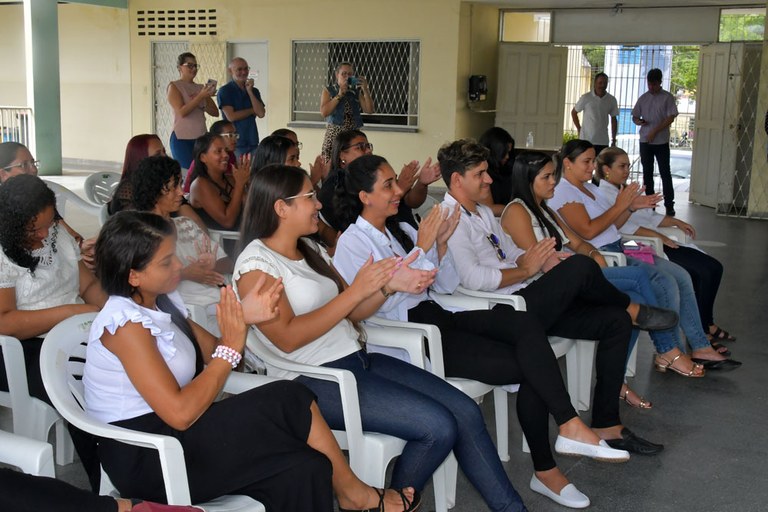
(22, 199)
(272, 183)
(527, 166)
(497, 139)
(361, 175)
(202, 145)
(150, 180)
(271, 150)
(128, 241)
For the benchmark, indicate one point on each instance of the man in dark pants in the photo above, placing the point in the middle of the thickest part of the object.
(573, 299)
(654, 112)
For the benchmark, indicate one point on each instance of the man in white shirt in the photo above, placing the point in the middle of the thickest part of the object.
(572, 299)
(599, 107)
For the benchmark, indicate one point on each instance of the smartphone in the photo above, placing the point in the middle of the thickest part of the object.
(353, 81)
(212, 82)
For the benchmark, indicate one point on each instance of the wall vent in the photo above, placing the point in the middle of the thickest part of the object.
(176, 22)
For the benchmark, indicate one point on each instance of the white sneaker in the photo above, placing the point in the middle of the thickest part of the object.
(602, 451)
(569, 495)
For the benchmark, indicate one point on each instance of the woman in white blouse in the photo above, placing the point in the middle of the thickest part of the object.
(318, 325)
(612, 171)
(498, 346)
(42, 278)
(149, 368)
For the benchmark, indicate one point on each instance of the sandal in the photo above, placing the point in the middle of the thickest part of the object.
(642, 404)
(721, 349)
(720, 334)
(667, 365)
(408, 506)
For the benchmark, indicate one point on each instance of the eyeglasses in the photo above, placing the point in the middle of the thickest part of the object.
(230, 135)
(308, 194)
(27, 165)
(191, 65)
(299, 145)
(247, 68)
(495, 243)
(361, 146)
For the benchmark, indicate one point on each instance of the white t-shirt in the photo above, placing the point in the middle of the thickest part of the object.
(597, 114)
(566, 192)
(361, 239)
(306, 291)
(56, 280)
(109, 394)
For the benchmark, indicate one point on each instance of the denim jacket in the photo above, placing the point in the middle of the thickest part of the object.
(337, 116)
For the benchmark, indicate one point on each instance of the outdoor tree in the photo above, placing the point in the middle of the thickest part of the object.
(685, 69)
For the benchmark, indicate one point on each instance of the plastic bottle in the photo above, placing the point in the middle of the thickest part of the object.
(529, 140)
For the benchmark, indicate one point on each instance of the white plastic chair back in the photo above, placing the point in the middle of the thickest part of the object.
(29, 455)
(61, 362)
(65, 198)
(100, 186)
(32, 417)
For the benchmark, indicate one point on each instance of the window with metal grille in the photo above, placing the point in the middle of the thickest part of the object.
(391, 67)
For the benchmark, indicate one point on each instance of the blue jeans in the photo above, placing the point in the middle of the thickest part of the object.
(182, 150)
(399, 399)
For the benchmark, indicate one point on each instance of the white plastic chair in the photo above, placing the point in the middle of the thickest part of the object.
(65, 197)
(676, 234)
(61, 363)
(29, 455)
(100, 186)
(32, 417)
(655, 242)
(369, 452)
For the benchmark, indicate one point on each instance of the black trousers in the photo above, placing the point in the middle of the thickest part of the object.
(254, 443)
(504, 346)
(661, 153)
(574, 300)
(706, 273)
(26, 493)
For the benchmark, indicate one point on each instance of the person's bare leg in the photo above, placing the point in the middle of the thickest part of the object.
(351, 492)
(683, 363)
(708, 353)
(577, 430)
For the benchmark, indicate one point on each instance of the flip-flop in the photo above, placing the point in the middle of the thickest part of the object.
(722, 335)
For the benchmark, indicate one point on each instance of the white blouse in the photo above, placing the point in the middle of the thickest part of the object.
(55, 281)
(109, 394)
(188, 237)
(644, 217)
(361, 239)
(539, 231)
(306, 291)
(566, 192)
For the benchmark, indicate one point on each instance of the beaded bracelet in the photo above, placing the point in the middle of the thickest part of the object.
(228, 354)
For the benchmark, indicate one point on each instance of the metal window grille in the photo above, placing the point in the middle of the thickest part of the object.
(17, 125)
(391, 67)
(176, 22)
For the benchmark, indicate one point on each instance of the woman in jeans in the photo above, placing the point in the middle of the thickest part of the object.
(579, 204)
(318, 325)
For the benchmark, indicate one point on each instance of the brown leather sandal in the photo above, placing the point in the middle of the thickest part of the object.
(642, 404)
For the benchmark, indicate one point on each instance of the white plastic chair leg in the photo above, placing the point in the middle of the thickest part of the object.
(65, 448)
(632, 362)
(444, 482)
(501, 408)
(578, 361)
(526, 448)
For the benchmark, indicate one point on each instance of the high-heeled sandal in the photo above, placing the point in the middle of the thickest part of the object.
(661, 368)
(408, 505)
(642, 404)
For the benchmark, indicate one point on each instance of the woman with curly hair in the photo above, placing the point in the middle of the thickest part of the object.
(157, 189)
(42, 280)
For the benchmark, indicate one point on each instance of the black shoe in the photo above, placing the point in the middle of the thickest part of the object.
(723, 365)
(670, 211)
(634, 444)
(651, 318)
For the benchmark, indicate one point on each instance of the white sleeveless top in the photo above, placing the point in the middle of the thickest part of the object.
(109, 394)
(306, 291)
(538, 230)
(566, 192)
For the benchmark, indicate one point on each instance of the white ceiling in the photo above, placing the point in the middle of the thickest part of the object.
(609, 4)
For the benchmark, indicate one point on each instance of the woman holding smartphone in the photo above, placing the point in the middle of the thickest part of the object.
(190, 103)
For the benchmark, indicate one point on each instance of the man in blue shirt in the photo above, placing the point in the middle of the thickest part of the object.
(240, 103)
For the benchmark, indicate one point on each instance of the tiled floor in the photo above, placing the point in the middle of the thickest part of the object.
(716, 455)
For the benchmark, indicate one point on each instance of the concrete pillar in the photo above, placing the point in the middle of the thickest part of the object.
(41, 42)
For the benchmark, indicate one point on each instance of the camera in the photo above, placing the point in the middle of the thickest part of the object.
(353, 82)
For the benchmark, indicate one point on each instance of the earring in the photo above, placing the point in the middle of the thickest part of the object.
(607, 176)
(343, 161)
